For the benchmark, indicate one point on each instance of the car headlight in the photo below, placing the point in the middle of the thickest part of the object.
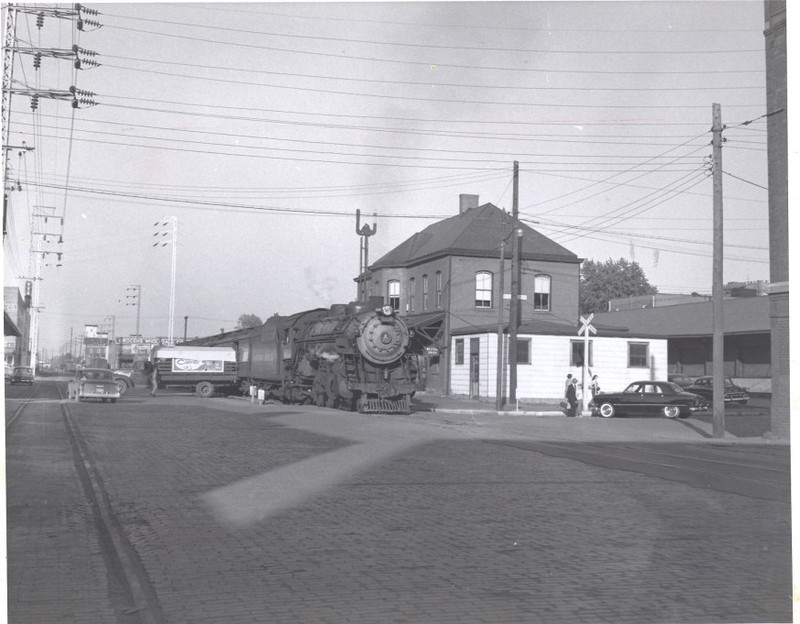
(387, 310)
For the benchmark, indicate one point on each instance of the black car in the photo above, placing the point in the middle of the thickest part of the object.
(22, 375)
(648, 397)
(704, 386)
(684, 381)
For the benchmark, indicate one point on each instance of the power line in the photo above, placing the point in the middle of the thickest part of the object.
(427, 46)
(394, 61)
(704, 88)
(406, 97)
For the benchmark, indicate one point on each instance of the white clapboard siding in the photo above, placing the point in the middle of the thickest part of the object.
(544, 377)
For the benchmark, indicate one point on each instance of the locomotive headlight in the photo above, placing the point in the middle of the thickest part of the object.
(387, 310)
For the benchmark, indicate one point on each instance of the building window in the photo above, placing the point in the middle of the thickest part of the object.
(576, 353)
(412, 293)
(438, 289)
(459, 350)
(393, 288)
(523, 350)
(638, 354)
(483, 289)
(541, 292)
(424, 292)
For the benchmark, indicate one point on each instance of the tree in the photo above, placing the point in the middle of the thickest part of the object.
(603, 281)
(246, 321)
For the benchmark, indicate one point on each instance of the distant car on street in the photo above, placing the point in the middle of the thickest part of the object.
(704, 386)
(682, 380)
(22, 375)
(93, 383)
(648, 397)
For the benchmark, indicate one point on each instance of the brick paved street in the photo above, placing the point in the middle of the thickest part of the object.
(242, 513)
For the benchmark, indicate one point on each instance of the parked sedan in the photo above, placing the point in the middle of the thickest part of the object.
(22, 374)
(648, 397)
(684, 381)
(93, 383)
(704, 386)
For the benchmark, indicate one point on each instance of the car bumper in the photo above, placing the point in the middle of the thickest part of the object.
(96, 393)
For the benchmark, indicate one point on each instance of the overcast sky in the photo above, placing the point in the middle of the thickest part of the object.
(263, 127)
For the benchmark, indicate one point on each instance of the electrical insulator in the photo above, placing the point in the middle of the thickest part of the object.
(59, 257)
(74, 103)
(80, 24)
(39, 20)
(34, 102)
(77, 64)
(37, 60)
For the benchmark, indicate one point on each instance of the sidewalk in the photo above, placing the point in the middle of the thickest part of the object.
(424, 401)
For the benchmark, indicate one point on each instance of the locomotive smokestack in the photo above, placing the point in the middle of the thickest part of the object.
(467, 202)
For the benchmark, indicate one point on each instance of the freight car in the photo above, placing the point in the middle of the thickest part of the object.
(352, 356)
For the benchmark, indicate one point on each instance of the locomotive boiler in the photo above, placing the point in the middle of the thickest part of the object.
(352, 356)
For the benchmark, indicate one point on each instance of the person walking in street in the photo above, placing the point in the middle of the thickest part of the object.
(572, 398)
(595, 386)
(154, 379)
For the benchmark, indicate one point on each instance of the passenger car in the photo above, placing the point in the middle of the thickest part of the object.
(93, 383)
(704, 386)
(22, 374)
(648, 397)
(682, 380)
(124, 380)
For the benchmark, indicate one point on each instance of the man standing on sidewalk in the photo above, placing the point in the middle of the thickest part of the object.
(572, 397)
(154, 379)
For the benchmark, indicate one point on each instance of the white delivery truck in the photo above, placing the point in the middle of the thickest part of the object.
(206, 369)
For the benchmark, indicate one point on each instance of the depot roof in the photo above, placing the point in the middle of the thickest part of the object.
(475, 232)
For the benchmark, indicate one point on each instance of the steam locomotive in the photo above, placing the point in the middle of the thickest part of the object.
(352, 356)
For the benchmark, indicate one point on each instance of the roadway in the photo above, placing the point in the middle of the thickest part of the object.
(178, 509)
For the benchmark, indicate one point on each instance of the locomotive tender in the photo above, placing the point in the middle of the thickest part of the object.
(352, 356)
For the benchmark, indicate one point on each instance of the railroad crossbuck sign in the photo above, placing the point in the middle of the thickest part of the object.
(586, 329)
(586, 326)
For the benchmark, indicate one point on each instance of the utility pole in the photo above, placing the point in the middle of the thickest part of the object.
(500, 306)
(515, 288)
(718, 338)
(185, 327)
(363, 259)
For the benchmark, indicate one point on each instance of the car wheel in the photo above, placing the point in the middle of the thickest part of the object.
(113, 400)
(104, 400)
(204, 389)
(744, 402)
(672, 411)
(607, 410)
(122, 385)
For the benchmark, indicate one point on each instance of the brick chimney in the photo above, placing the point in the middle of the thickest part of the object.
(466, 202)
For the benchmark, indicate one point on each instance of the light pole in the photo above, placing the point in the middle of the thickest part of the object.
(136, 289)
(163, 242)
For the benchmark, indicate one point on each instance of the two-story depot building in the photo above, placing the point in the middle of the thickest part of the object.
(445, 282)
